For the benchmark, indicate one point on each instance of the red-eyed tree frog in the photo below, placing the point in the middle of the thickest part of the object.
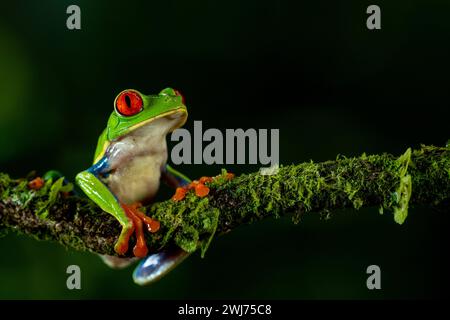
(129, 162)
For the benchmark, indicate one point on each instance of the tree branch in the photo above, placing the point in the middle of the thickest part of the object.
(421, 177)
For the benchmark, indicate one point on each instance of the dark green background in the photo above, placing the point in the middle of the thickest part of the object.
(309, 68)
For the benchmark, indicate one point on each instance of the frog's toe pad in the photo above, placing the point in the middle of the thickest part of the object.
(36, 183)
(199, 187)
(201, 190)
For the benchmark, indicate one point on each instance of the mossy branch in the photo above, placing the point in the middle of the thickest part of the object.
(392, 183)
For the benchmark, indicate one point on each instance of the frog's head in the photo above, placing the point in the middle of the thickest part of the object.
(133, 110)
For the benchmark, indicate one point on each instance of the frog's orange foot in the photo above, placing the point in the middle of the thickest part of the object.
(180, 193)
(36, 183)
(229, 176)
(138, 219)
(197, 185)
(201, 190)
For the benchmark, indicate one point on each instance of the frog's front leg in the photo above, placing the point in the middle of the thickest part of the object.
(130, 218)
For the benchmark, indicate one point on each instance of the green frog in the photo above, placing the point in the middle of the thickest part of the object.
(129, 163)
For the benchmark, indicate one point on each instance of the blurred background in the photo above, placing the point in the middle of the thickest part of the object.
(309, 68)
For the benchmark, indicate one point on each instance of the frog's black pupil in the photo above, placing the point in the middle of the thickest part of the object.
(128, 101)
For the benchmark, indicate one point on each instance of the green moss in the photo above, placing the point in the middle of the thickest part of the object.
(211, 225)
(187, 238)
(389, 183)
(50, 192)
(403, 192)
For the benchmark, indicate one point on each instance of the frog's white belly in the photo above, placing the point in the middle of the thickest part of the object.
(138, 180)
(136, 162)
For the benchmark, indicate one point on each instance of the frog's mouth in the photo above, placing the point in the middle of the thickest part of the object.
(179, 116)
(176, 118)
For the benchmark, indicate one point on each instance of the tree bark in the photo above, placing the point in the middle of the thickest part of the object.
(393, 184)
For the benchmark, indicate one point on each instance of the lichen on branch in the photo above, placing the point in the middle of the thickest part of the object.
(420, 177)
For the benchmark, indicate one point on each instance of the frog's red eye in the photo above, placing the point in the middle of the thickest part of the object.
(178, 93)
(129, 103)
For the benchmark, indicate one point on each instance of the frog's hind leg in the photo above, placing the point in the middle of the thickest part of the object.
(116, 262)
(38, 182)
(156, 265)
(55, 175)
(174, 178)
